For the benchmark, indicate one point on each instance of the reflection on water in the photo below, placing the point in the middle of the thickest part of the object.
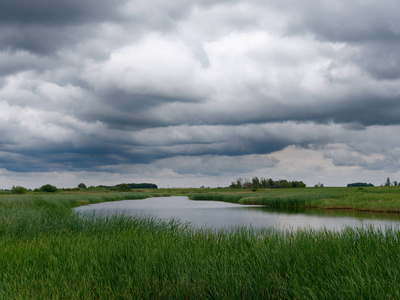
(214, 214)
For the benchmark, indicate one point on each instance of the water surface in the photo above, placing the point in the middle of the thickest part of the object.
(215, 214)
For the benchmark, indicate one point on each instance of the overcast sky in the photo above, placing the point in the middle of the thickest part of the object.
(190, 93)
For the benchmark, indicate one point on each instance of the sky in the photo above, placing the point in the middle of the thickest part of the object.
(199, 93)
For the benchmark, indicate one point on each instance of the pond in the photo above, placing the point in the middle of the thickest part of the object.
(215, 214)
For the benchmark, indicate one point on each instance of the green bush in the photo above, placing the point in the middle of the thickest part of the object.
(48, 188)
(82, 185)
(123, 187)
(18, 190)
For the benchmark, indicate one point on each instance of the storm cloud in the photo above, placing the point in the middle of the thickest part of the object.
(176, 92)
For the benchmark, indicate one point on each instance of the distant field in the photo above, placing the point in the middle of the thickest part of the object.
(48, 252)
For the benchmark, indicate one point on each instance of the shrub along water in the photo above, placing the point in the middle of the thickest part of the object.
(49, 252)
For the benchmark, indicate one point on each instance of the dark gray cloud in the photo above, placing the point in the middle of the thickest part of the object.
(381, 60)
(39, 39)
(57, 13)
(44, 26)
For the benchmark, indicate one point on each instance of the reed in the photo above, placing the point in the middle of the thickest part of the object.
(48, 252)
(28, 214)
(379, 199)
(120, 257)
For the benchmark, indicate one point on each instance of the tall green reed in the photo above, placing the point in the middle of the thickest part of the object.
(62, 255)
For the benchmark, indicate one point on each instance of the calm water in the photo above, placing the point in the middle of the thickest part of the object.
(214, 214)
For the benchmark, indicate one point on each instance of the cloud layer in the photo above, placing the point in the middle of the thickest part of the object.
(167, 91)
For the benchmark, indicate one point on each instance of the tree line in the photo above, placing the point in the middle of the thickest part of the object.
(256, 182)
(388, 182)
(122, 187)
(129, 186)
(358, 184)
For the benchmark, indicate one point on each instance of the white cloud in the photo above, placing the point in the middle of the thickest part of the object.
(156, 66)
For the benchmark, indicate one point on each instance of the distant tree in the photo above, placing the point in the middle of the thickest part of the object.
(388, 182)
(395, 183)
(358, 184)
(18, 190)
(123, 187)
(48, 188)
(255, 182)
(319, 185)
(263, 182)
(82, 185)
(270, 183)
(247, 183)
(143, 185)
(239, 183)
(282, 183)
(298, 184)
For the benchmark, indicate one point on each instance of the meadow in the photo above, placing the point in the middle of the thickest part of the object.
(48, 252)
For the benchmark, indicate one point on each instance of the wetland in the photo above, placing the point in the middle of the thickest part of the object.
(48, 251)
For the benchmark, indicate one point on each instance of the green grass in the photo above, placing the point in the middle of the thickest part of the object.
(47, 252)
(379, 199)
(126, 258)
(24, 215)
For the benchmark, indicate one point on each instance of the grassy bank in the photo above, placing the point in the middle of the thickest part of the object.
(24, 215)
(47, 252)
(379, 199)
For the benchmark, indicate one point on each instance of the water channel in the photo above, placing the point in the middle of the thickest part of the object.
(215, 214)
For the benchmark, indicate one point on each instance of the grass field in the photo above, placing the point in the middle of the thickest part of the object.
(47, 252)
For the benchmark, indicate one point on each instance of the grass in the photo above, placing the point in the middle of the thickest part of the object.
(24, 215)
(47, 252)
(378, 199)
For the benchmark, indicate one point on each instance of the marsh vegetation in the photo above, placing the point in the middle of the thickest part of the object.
(379, 199)
(47, 251)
